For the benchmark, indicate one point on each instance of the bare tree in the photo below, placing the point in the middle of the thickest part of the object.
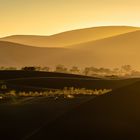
(126, 69)
(61, 68)
(87, 71)
(75, 70)
(29, 68)
(46, 69)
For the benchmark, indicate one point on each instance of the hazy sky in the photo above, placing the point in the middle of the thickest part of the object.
(44, 17)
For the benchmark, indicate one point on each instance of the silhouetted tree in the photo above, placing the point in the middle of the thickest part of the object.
(126, 68)
(135, 73)
(104, 71)
(75, 70)
(38, 68)
(29, 68)
(87, 71)
(90, 71)
(8, 68)
(116, 71)
(61, 68)
(2, 68)
(46, 69)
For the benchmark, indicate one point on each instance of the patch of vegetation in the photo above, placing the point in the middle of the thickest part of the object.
(13, 96)
(123, 71)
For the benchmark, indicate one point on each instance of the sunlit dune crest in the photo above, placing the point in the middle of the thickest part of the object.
(70, 37)
(111, 51)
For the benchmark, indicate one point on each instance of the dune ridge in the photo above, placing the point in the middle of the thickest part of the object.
(70, 37)
(109, 52)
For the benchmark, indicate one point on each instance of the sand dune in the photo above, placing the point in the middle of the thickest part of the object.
(113, 51)
(71, 37)
(108, 52)
(13, 54)
(111, 116)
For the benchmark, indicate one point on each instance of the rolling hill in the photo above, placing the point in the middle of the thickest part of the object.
(70, 37)
(39, 81)
(112, 116)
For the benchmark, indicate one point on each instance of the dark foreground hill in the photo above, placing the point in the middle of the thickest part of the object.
(16, 74)
(38, 81)
(20, 80)
(114, 116)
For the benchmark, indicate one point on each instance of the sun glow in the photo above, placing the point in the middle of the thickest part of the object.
(53, 16)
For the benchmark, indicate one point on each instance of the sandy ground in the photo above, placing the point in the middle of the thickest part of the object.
(24, 118)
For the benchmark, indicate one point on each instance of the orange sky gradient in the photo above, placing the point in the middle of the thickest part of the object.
(45, 17)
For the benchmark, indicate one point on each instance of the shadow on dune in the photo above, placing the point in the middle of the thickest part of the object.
(115, 115)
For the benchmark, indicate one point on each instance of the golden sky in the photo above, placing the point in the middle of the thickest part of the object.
(45, 17)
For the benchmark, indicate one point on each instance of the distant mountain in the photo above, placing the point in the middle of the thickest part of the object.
(70, 37)
(112, 116)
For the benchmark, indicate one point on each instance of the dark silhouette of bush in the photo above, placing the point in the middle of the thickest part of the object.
(74, 70)
(61, 68)
(29, 68)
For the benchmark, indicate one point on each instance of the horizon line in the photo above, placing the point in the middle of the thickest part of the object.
(82, 28)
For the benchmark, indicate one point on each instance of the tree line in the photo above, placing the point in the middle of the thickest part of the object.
(125, 70)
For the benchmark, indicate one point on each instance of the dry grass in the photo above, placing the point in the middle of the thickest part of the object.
(66, 93)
